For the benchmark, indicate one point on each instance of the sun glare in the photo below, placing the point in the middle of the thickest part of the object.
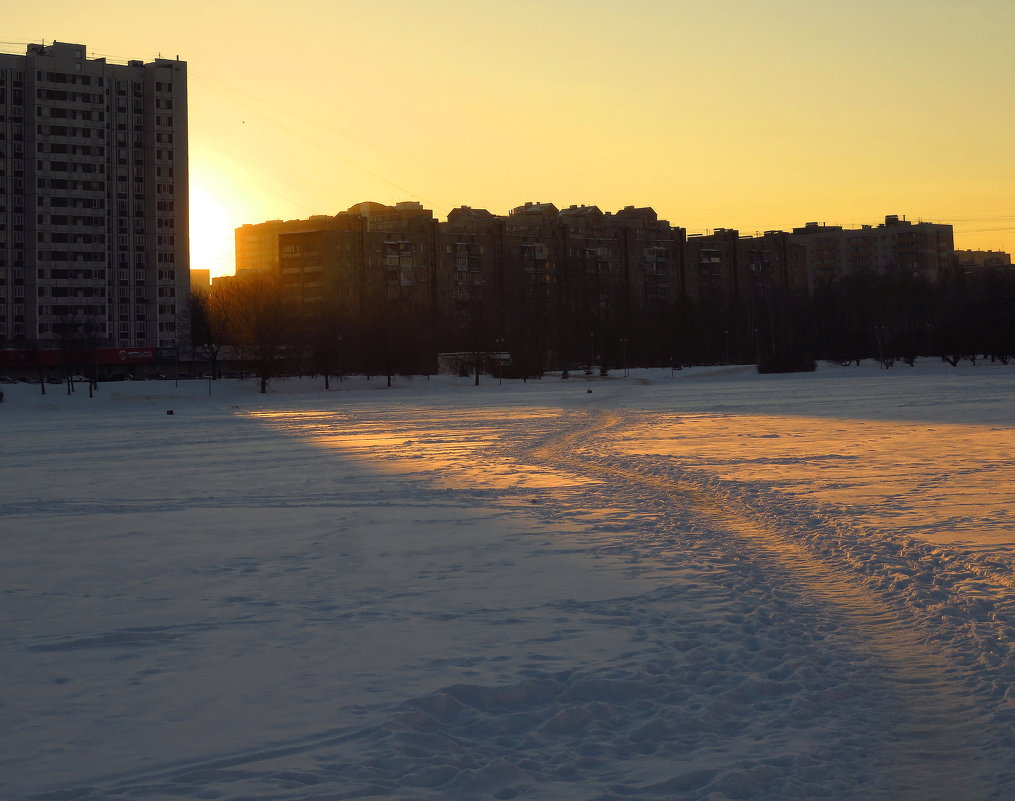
(211, 231)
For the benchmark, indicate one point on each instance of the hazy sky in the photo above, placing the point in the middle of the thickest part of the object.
(749, 114)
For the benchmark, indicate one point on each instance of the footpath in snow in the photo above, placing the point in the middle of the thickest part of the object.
(707, 585)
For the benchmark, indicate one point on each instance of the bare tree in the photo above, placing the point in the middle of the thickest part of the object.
(33, 354)
(325, 334)
(211, 316)
(80, 340)
(264, 317)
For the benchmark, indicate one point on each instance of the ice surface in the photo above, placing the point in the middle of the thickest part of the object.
(701, 585)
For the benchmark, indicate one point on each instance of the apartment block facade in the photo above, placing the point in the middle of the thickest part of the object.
(575, 285)
(576, 282)
(94, 238)
(895, 247)
(257, 244)
(545, 258)
(540, 262)
(366, 258)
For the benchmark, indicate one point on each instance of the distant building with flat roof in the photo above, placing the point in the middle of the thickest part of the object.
(895, 247)
(970, 260)
(257, 243)
(200, 280)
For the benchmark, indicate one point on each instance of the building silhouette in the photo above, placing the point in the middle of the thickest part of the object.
(200, 280)
(577, 260)
(537, 275)
(257, 243)
(572, 286)
(94, 202)
(896, 247)
(546, 258)
(975, 261)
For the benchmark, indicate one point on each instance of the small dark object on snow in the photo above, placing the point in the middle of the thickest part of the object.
(169, 411)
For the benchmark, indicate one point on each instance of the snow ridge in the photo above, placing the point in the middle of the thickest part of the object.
(963, 601)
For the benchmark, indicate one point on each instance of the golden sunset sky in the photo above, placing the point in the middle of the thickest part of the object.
(749, 114)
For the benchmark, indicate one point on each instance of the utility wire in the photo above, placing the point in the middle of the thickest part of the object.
(300, 134)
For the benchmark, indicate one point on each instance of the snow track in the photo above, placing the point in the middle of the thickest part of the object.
(937, 741)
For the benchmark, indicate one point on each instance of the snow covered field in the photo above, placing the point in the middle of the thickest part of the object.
(702, 585)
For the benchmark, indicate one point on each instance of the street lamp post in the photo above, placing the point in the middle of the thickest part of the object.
(623, 355)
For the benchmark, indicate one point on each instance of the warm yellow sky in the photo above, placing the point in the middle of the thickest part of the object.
(749, 114)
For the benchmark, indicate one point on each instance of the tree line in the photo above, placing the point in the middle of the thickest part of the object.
(893, 319)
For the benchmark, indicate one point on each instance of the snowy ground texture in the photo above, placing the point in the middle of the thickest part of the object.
(702, 585)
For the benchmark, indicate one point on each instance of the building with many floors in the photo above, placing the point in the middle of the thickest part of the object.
(575, 285)
(577, 260)
(94, 220)
(567, 280)
(540, 262)
(896, 247)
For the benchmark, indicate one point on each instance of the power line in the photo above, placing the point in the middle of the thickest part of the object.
(274, 120)
(986, 230)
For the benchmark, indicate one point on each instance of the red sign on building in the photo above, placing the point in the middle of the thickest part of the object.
(77, 357)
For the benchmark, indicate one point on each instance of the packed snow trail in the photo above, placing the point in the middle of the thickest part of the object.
(932, 748)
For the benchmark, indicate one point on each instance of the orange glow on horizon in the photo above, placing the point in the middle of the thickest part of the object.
(731, 114)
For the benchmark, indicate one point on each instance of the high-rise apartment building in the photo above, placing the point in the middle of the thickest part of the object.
(93, 201)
